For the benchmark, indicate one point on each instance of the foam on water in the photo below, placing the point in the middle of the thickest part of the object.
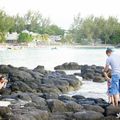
(89, 88)
(92, 89)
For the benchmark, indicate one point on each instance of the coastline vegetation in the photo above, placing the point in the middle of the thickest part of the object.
(90, 30)
(94, 30)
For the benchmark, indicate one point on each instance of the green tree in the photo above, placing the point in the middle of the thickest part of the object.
(2, 37)
(54, 30)
(19, 24)
(88, 27)
(25, 37)
(75, 29)
(99, 28)
(45, 23)
(111, 25)
(35, 22)
(94, 29)
(115, 38)
(6, 22)
(68, 38)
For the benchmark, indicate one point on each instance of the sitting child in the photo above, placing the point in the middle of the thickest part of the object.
(3, 82)
(108, 78)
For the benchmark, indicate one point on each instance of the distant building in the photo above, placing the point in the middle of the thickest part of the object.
(28, 32)
(25, 31)
(12, 38)
(55, 38)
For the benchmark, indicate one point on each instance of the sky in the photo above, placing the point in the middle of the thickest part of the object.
(62, 12)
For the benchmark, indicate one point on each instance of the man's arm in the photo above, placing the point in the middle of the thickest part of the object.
(106, 68)
(106, 76)
(107, 65)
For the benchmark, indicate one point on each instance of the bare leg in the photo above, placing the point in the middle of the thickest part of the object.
(4, 85)
(5, 82)
(109, 99)
(1, 85)
(116, 98)
(112, 101)
(119, 97)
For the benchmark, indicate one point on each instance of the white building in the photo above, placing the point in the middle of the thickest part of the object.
(12, 38)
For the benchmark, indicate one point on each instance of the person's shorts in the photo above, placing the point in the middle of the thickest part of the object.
(115, 85)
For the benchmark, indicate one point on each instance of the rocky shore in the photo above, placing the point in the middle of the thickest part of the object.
(92, 72)
(38, 95)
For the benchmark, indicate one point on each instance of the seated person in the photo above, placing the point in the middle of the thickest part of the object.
(3, 82)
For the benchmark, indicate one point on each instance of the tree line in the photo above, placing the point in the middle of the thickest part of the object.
(93, 30)
(31, 21)
(88, 30)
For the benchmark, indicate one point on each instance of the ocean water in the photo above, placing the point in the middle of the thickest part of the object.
(31, 57)
(49, 57)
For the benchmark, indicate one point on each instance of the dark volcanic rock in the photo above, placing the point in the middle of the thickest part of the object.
(68, 66)
(111, 118)
(95, 108)
(98, 79)
(86, 101)
(49, 89)
(58, 116)
(38, 95)
(40, 69)
(20, 86)
(40, 102)
(5, 113)
(92, 73)
(73, 106)
(5, 69)
(56, 105)
(50, 96)
(65, 98)
(110, 110)
(38, 80)
(62, 81)
(78, 97)
(23, 96)
(19, 75)
(30, 114)
(88, 115)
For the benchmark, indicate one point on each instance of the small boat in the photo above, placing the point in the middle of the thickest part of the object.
(15, 48)
(54, 48)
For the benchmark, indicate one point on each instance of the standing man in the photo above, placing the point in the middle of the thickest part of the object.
(113, 61)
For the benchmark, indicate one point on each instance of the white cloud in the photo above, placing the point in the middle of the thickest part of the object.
(61, 12)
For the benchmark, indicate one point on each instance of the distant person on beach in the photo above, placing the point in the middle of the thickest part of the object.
(113, 61)
(3, 82)
(107, 76)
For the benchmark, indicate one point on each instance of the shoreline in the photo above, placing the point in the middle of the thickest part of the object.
(54, 46)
